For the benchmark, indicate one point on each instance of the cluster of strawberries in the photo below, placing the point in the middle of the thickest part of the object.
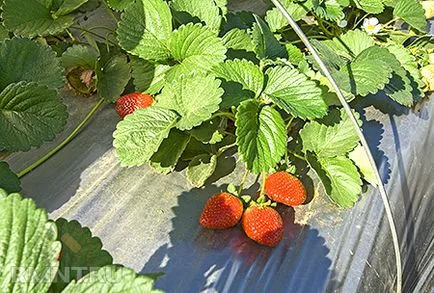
(260, 221)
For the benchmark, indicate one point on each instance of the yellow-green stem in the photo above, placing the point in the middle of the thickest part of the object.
(63, 143)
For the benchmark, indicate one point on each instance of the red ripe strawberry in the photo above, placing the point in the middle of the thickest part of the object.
(221, 211)
(127, 104)
(285, 188)
(263, 224)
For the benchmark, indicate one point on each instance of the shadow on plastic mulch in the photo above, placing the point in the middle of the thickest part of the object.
(227, 261)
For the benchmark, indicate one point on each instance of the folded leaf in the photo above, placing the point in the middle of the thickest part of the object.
(169, 152)
(261, 136)
(140, 134)
(266, 45)
(200, 169)
(340, 178)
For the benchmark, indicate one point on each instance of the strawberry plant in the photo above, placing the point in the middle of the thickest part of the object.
(193, 79)
(39, 255)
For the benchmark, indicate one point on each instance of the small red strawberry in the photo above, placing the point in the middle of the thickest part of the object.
(285, 188)
(221, 211)
(127, 104)
(263, 224)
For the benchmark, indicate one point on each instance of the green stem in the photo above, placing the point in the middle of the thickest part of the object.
(102, 27)
(360, 20)
(223, 114)
(392, 21)
(261, 194)
(225, 148)
(243, 181)
(289, 123)
(109, 11)
(94, 34)
(63, 143)
(297, 155)
(70, 35)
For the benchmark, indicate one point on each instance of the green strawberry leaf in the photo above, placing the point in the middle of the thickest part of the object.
(119, 4)
(408, 62)
(277, 21)
(360, 158)
(28, 244)
(79, 250)
(200, 169)
(195, 98)
(113, 73)
(27, 60)
(402, 87)
(362, 76)
(208, 132)
(195, 148)
(65, 7)
(147, 76)
(113, 279)
(145, 29)
(195, 45)
(9, 181)
(370, 6)
(32, 18)
(205, 10)
(295, 55)
(329, 10)
(329, 56)
(333, 137)
(234, 94)
(80, 56)
(243, 72)
(350, 44)
(140, 134)
(238, 39)
(261, 136)
(412, 12)
(340, 178)
(30, 114)
(169, 152)
(294, 93)
(266, 44)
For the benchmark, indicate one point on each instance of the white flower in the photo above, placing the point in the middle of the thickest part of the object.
(371, 25)
(429, 8)
(343, 23)
(428, 76)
